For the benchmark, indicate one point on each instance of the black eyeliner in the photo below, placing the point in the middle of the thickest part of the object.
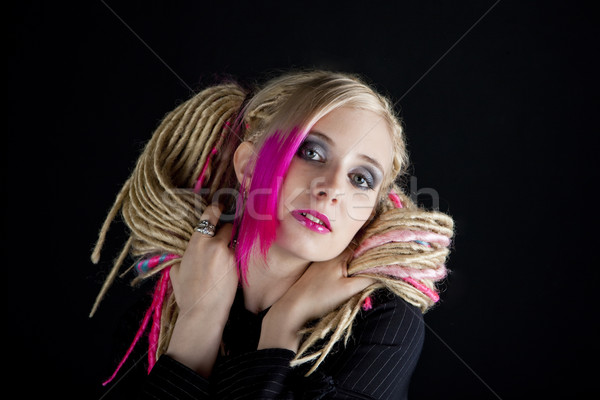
(315, 145)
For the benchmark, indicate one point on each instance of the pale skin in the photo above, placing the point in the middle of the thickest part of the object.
(306, 273)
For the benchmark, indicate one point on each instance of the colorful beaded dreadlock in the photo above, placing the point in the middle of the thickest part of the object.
(405, 273)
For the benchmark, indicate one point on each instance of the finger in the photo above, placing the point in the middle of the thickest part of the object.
(174, 274)
(347, 254)
(359, 283)
(211, 214)
(224, 233)
(345, 257)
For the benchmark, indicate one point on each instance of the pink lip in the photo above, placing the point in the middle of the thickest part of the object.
(311, 224)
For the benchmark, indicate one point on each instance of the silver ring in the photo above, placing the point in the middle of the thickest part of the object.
(205, 228)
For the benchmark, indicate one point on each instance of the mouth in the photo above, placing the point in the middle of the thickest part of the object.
(313, 220)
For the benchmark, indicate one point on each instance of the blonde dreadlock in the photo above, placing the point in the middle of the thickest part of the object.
(160, 208)
(160, 216)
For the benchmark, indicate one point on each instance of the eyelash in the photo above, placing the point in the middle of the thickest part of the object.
(367, 179)
(312, 147)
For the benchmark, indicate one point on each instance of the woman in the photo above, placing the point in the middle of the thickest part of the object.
(317, 286)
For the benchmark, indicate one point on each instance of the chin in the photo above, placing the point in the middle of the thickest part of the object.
(309, 252)
(294, 239)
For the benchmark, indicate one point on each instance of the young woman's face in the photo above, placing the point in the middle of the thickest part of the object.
(333, 183)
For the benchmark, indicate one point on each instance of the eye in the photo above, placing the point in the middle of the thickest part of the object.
(312, 152)
(362, 181)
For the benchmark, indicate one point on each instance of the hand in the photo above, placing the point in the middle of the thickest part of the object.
(323, 287)
(206, 278)
(204, 283)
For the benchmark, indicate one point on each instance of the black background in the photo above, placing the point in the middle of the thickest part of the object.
(500, 123)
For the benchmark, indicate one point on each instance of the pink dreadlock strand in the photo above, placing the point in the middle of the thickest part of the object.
(421, 237)
(200, 180)
(395, 199)
(367, 304)
(159, 296)
(157, 301)
(428, 292)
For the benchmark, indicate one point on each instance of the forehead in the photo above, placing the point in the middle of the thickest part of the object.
(355, 131)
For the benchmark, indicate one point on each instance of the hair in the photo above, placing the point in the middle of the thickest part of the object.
(188, 161)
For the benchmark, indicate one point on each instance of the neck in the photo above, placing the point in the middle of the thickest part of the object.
(267, 283)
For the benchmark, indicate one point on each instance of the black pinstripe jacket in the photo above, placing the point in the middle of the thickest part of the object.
(377, 362)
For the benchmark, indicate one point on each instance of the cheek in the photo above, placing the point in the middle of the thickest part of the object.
(360, 206)
(292, 189)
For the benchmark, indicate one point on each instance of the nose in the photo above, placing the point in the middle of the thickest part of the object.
(328, 187)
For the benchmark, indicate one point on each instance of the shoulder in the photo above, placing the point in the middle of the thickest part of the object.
(382, 353)
(391, 321)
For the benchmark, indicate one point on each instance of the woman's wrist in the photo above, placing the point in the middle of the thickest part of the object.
(196, 339)
(280, 329)
(206, 311)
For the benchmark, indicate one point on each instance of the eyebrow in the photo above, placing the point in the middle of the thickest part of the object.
(365, 157)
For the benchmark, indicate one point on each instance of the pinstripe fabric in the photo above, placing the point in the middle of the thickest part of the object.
(172, 380)
(377, 363)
